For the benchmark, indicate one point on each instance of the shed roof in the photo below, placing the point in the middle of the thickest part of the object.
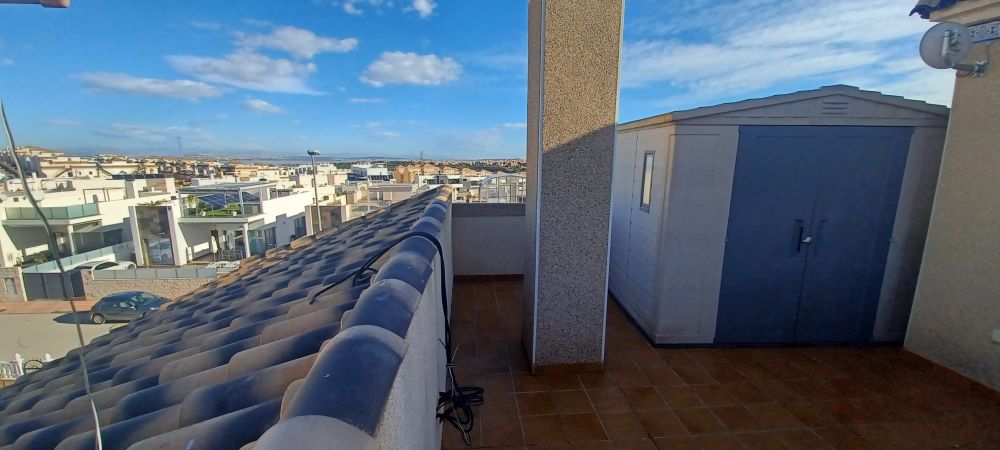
(217, 369)
(774, 100)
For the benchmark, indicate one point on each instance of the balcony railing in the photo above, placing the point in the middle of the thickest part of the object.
(54, 212)
(246, 210)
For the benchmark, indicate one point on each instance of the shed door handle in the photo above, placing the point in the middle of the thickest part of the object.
(798, 240)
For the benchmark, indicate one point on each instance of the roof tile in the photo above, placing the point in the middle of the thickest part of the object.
(221, 364)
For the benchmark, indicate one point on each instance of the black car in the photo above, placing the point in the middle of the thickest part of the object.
(125, 306)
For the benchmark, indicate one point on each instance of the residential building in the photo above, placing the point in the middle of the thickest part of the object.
(238, 220)
(84, 214)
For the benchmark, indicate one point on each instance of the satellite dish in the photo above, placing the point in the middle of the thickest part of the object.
(946, 45)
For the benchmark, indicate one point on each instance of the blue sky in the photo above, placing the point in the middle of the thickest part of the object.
(397, 77)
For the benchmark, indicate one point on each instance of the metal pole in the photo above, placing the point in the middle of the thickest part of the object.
(319, 220)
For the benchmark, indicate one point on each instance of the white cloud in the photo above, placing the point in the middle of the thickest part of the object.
(424, 7)
(62, 122)
(514, 125)
(751, 45)
(366, 100)
(248, 70)
(411, 68)
(352, 6)
(6, 62)
(127, 84)
(300, 43)
(258, 106)
(257, 22)
(153, 133)
(387, 135)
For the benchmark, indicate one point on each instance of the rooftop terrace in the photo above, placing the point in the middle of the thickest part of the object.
(706, 398)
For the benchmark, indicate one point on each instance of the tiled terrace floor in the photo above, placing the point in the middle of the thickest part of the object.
(648, 398)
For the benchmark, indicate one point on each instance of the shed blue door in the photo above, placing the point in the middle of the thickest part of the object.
(809, 227)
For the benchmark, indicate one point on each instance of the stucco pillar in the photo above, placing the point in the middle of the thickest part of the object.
(573, 59)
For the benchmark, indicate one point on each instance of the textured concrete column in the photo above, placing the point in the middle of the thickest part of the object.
(573, 59)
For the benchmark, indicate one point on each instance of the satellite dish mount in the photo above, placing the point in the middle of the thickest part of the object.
(946, 45)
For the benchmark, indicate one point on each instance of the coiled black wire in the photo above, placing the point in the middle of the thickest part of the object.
(455, 404)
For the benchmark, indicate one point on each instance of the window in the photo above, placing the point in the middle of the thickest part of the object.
(647, 182)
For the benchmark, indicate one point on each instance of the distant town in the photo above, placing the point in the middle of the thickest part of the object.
(194, 218)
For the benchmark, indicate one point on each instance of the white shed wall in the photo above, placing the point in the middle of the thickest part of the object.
(694, 243)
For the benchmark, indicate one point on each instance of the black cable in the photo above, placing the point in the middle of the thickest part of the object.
(67, 287)
(455, 404)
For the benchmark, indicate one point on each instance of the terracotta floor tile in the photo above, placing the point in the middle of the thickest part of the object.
(647, 357)
(634, 444)
(535, 403)
(719, 442)
(661, 423)
(842, 398)
(772, 416)
(497, 383)
(801, 440)
(661, 376)
(736, 418)
(590, 445)
(499, 404)
(679, 396)
(629, 378)
(572, 401)
(622, 425)
(694, 375)
(529, 383)
(582, 427)
(760, 441)
(597, 380)
(811, 414)
(700, 420)
(452, 438)
(845, 411)
(542, 429)
(714, 395)
(723, 373)
(745, 392)
(675, 356)
(640, 398)
(501, 430)
(608, 400)
(563, 382)
(677, 443)
(843, 438)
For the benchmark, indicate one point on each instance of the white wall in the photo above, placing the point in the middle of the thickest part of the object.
(694, 232)
(909, 234)
(408, 421)
(488, 238)
(957, 305)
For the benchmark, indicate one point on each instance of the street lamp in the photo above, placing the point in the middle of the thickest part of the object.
(319, 222)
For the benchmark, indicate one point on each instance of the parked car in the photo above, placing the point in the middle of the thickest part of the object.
(125, 306)
(107, 265)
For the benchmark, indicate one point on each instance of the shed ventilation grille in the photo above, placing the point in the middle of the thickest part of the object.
(834, 107)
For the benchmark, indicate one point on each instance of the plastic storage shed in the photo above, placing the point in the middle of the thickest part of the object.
(792, 219)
